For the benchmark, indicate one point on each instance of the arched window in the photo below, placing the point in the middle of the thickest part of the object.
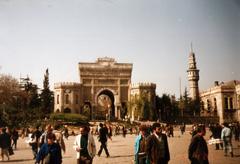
(57, 99)
(67, 110)
(226, 103)
(215, 104)
(67, 99)
(202, 105)
(208, 105)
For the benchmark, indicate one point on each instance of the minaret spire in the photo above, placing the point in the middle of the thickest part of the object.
(193, 75)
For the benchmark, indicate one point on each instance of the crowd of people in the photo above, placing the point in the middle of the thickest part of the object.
(150, 147)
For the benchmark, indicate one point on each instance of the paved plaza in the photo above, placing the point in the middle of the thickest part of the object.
(121, 151)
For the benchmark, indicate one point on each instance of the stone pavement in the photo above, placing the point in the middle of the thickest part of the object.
(121, 151)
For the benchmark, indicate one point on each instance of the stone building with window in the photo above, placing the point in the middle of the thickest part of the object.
(222, 100)
(146, 92)
(103, 91)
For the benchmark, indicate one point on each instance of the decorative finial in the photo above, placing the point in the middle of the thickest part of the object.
(191, 47)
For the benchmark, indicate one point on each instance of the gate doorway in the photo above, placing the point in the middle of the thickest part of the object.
(105, 105)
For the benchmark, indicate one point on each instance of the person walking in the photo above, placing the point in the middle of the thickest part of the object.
(5, 143)
(35, 137)
(198, 150)
(103, 135)
(226, 136)
(109, 127)
(65, 132)
(43, 137)
(140, 146)
(15, 137)
(124, 131)
(182, 128)
(216, 134)
(59, 137)
(50, 152)
(157, 146)
(85, 147)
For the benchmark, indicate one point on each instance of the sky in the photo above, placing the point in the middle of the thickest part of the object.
(154, 35)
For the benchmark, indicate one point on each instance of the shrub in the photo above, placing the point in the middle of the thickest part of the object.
(69, 117)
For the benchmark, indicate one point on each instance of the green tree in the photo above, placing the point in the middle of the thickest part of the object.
(196, 107)
(140, 107)
(190, 107)
(46, 96)
(164, 106)
(9, 88)
(186, 103)
(135, 105)
(19, 102)
(31, 96)
(139, 103)
(181, 106)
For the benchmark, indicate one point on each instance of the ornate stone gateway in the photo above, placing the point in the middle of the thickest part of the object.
(104, 86)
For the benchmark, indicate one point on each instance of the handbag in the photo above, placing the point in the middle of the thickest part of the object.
(46, 159)
(10, 150)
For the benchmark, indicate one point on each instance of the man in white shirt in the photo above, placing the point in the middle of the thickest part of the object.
(226, 136)
(85, 147)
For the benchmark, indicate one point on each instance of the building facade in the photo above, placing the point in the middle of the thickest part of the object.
(104, 90)
(222, 100)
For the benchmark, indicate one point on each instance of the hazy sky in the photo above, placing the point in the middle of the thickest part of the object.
(154, 35)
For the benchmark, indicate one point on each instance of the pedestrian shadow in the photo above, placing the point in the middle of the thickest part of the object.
(19, 160)
(236, 155)
(236, 151)
(120, 156)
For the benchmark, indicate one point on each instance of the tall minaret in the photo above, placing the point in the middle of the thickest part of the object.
(193, 76)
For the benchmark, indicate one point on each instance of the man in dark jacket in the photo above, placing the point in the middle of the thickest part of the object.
(103, 134)
(198, 150)
(5, 143)
(35, 141)
(157, 146)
